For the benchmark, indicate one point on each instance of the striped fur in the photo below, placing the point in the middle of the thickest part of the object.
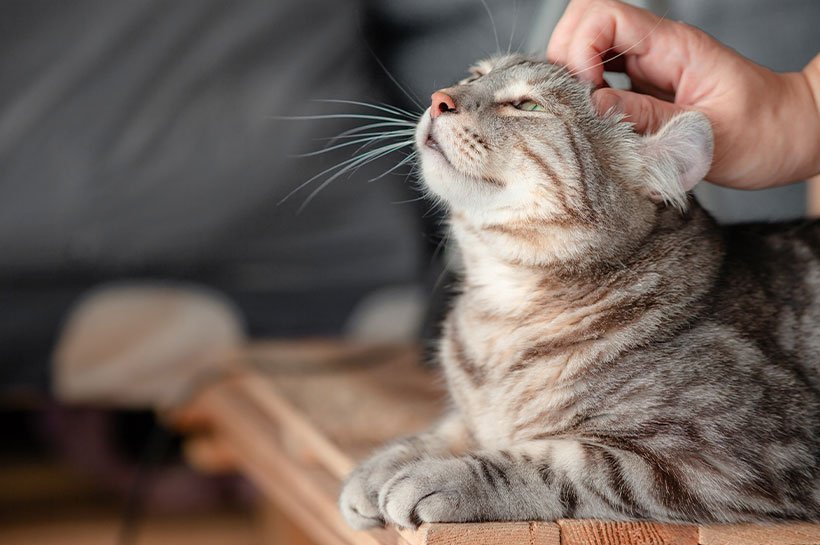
(613, 352)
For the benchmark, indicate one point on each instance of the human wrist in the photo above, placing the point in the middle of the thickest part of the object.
(803, 122)
(811, 75)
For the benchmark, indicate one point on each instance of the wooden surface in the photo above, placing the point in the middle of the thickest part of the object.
(813, 197)
(296, 417)
(595, 532)
(775, 534)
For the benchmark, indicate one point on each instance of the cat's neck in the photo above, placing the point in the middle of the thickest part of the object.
(507, 269)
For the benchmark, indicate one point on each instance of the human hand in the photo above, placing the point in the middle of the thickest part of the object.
(766, 125)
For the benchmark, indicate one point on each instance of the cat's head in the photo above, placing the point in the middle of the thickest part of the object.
(519, 143)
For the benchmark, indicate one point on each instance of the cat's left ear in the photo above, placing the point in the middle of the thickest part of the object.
(678, 156)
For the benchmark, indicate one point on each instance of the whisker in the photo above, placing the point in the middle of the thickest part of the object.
(366, 140)
(383, 107)
(440, 245)
(357, 131)
(406, 132)
(352, 167)
(407, 123)
(414, 100)
(408, 201)
(343, 165)
(404, 161)
(364, 146)
(592, 41)
(628, 49)
(492, 23)
(514, 23)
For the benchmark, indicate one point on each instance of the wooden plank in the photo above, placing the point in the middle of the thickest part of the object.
(495, 533)
(356, 406)
(278, 529)
(795, 533)
(813, 197)
(596, 532)
(305, 494)
(208, 453)
(263, 392)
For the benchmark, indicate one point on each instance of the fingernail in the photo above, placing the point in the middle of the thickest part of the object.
(606, 100)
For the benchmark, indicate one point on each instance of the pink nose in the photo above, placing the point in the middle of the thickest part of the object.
(442, 102)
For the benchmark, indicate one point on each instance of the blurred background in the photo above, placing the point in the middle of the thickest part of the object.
(144, 159)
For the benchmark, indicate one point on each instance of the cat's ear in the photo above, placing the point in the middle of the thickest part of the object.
(678, 156)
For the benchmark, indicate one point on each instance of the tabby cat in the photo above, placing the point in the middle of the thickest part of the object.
(613, 352)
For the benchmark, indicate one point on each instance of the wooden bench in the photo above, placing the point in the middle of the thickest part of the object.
(295, 417)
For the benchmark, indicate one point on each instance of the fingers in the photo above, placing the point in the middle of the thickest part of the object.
(647, 113)
(592, 31)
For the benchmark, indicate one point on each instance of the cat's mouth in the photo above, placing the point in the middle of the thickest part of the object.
(433, 145)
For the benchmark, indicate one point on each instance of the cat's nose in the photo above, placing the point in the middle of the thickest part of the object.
(442, 102)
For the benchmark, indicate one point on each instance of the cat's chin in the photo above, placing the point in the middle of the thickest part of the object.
(447, 182)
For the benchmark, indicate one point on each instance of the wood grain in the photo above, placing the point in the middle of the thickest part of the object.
(813, 197)
(497, 533)
(758, 534)
(306, 494)
(595, 532)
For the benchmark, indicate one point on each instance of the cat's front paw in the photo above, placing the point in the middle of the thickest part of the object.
(359, 503)
(359, 500)
(430, 490)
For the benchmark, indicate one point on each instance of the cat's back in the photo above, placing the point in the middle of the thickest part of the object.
(769, 288)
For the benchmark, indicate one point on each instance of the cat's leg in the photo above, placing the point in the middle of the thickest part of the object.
(543, 480)
(360, 492)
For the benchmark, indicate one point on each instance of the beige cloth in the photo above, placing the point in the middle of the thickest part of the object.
(144, 346)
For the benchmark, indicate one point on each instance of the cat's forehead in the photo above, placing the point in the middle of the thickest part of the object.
(497, 72)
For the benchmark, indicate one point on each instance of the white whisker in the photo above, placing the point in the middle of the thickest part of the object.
(492, 23)
(357, 131)
(383, 107)
(404, 161)
(407, 123)
(408, 201)
(414, 100)
(628, 49)
(351, 167)
(366, 140)
(344, 165)
(514, 24)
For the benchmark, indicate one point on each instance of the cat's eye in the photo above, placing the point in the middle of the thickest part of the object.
(529, 106)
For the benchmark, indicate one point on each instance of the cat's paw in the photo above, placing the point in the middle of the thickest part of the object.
(430, 490)
(359, 503)
(360, 494)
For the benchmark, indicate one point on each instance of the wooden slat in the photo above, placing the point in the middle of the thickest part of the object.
(278, 529)
(813, 197)
(263, 392)
(497, 533)
(208, 453)
(596, 532)
(759, 534)
(306, 494)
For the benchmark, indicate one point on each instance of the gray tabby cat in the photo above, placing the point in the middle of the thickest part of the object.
(613, 353)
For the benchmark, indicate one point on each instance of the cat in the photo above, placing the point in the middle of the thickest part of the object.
(612, 353)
